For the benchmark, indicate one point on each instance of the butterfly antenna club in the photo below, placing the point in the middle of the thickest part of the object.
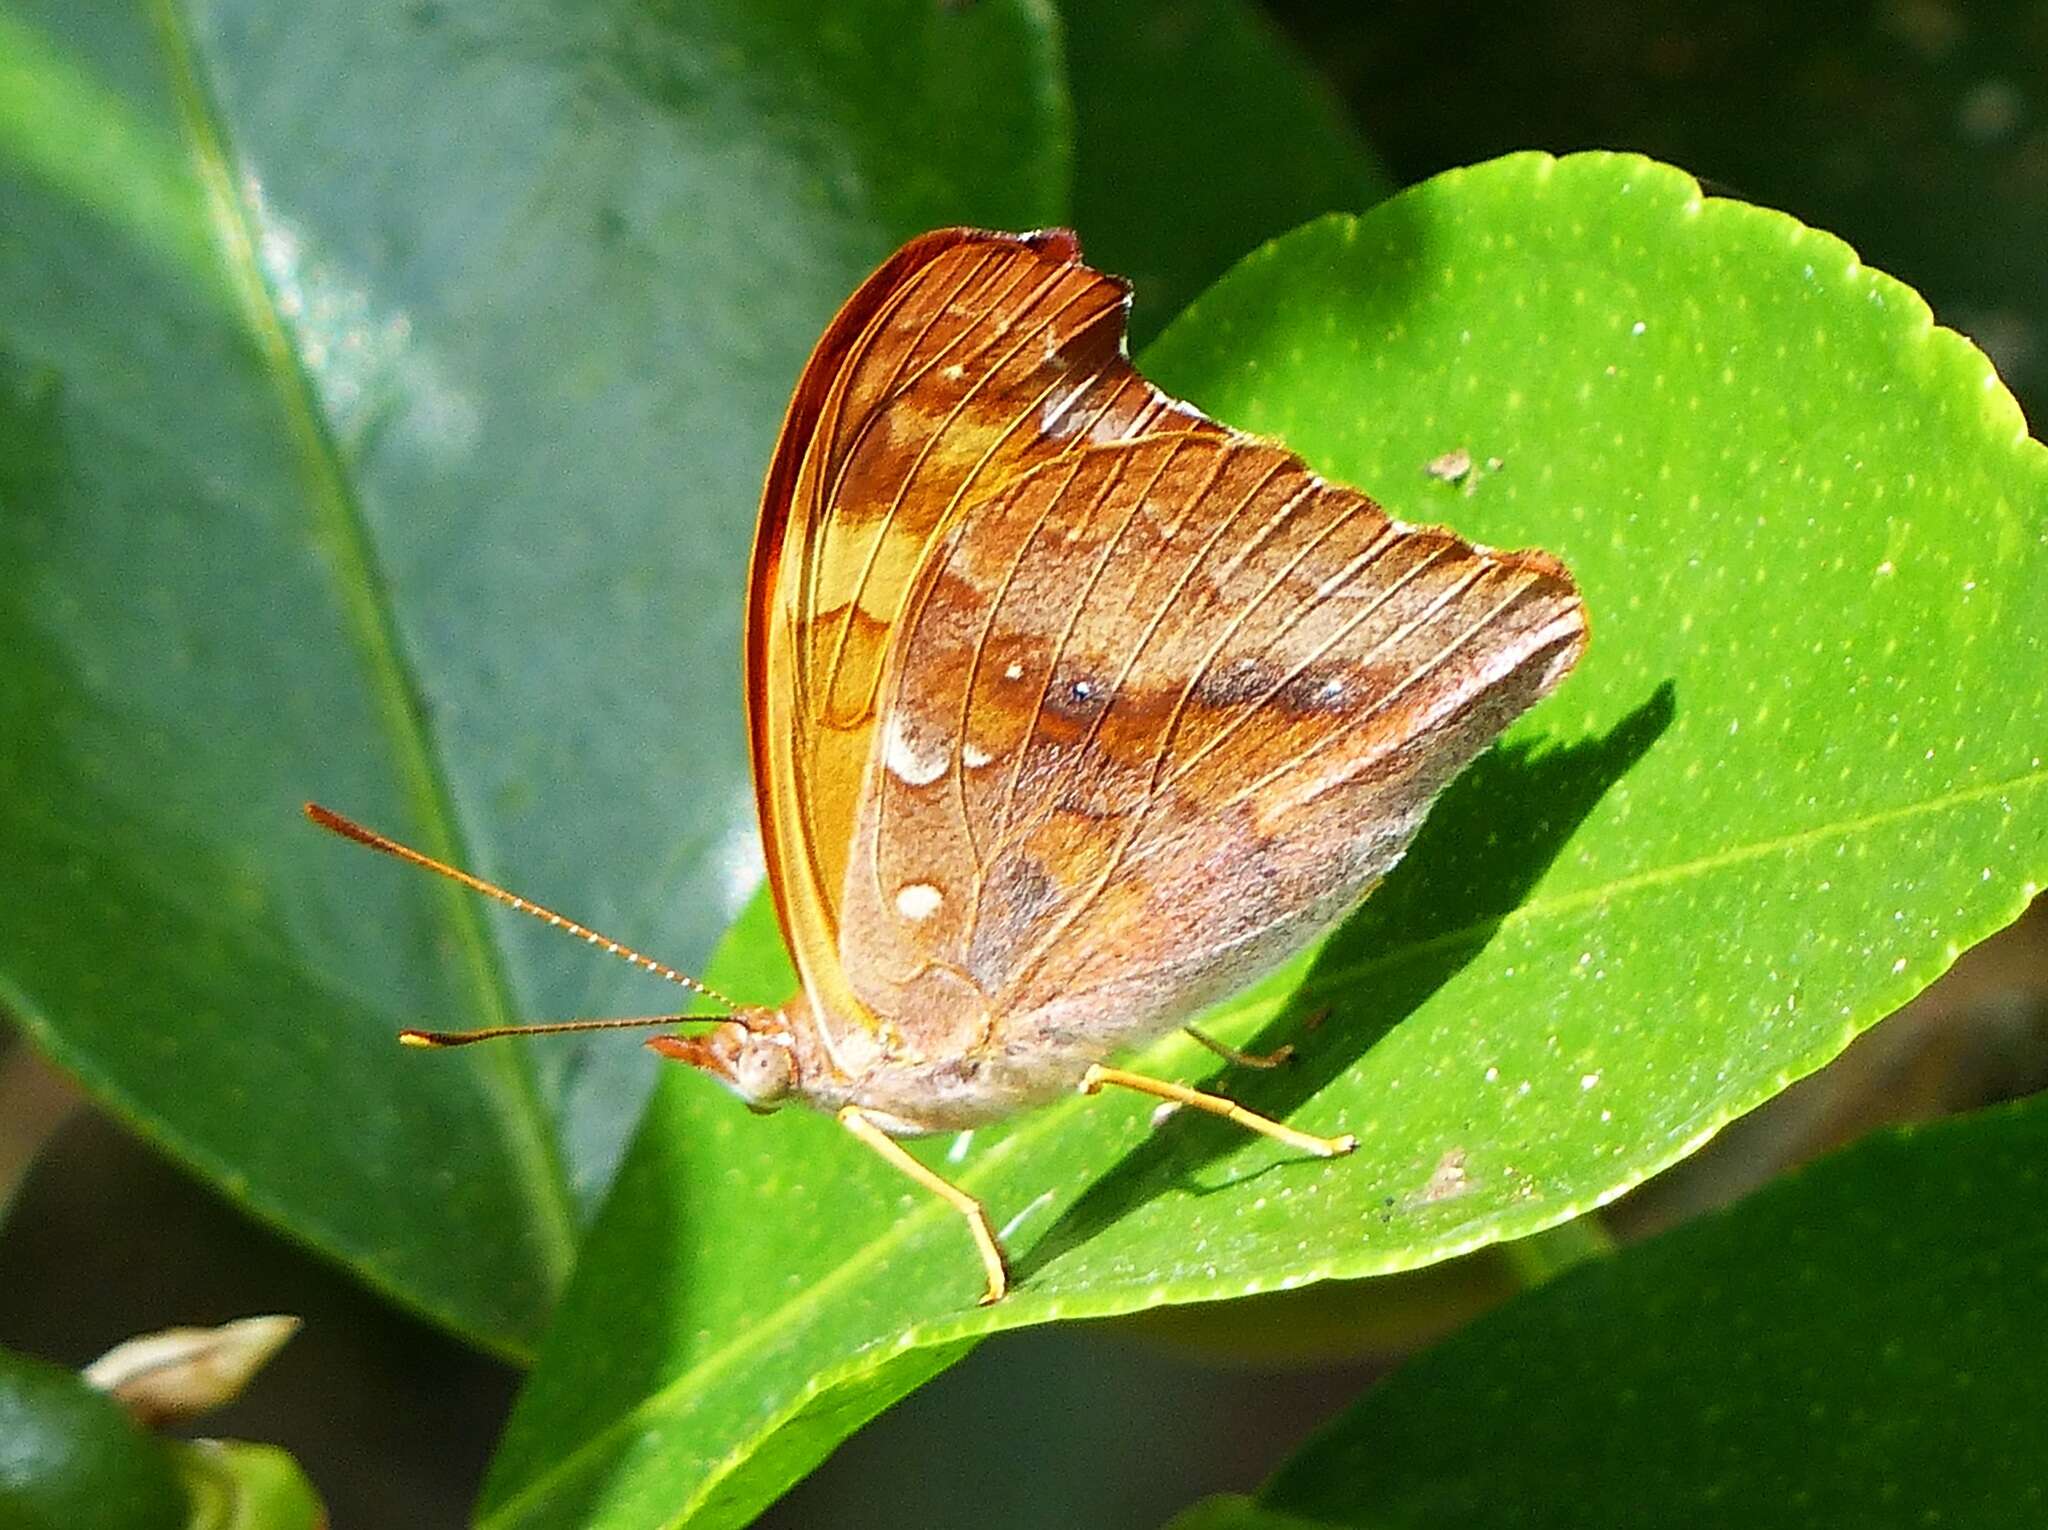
(438, 1039)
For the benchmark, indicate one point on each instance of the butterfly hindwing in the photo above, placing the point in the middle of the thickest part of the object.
(1157, 713)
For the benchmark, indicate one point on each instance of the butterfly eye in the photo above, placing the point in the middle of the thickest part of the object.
(762, 1075)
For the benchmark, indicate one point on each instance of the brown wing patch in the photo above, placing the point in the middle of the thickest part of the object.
(969, 359)
(1156, 714)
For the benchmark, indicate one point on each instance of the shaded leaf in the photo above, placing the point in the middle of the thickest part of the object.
(384, 394)
(1912, 130)
(1199, 131)
(1234, 1511)
(1858, 1344)
(1785, 787)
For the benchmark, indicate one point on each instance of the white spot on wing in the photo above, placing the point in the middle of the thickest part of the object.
(973, 756)
(905, 761)
(918, 900)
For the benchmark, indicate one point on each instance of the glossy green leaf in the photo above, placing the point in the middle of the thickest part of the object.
(70, 1457)
(1858, 1345)
(1789, 782)
(384, 395)
(1199, 131)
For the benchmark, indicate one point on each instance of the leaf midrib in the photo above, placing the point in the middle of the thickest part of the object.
(777, 1324)
(342, 528)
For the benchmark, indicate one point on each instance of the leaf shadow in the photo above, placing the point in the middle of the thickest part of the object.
(1488, 840)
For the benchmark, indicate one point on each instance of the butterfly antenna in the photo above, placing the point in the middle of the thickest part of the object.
(414, 1038)
(348, 828)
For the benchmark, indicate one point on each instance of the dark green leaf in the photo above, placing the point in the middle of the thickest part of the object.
(384, 395)
(1786, 786)
(1858, 1345)
(1233, 1511)
(69, 1457)
(1913, 130)
(1198, 132)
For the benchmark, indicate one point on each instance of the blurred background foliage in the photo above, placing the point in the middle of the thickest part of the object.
(1915, 129)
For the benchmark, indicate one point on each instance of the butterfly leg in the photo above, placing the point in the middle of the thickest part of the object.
(857, 1121)
(1229, 1053)
(1323, 1147)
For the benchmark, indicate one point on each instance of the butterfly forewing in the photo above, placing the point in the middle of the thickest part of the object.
(965, 362)
(1158, 711)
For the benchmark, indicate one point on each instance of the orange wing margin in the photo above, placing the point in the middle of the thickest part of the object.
(967, 359)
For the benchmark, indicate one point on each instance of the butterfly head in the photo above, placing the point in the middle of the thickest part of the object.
(752, 1054)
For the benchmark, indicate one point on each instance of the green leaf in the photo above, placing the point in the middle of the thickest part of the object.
(1199, 131)
(239, 1486)
(384, 395)
(1233, 1511)
(1860, 1344)
(1910, 130)
(1785, 788)
(69, 1457)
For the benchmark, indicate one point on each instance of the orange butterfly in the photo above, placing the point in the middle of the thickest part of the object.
(1071, 710)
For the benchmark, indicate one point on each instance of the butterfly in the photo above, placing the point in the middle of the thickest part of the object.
(1071, 710)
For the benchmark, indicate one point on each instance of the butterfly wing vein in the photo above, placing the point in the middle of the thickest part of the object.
(1081, 709)
(1156, 715)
